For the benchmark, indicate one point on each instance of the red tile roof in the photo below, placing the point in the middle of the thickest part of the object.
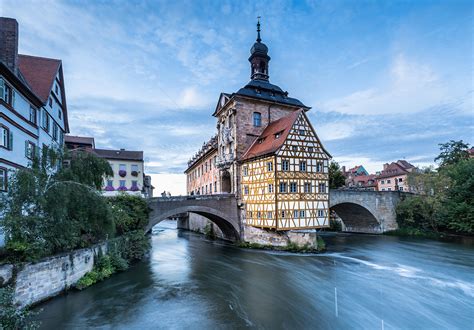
(39, 73)
(266, 143)
(79, 140)
(393, 169)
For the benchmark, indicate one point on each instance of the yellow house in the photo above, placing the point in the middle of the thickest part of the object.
(285, 180)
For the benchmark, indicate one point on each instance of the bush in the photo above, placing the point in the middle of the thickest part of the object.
(335, 225)
(11, 316)
(130, 212)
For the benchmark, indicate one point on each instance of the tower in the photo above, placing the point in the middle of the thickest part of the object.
(259, 58)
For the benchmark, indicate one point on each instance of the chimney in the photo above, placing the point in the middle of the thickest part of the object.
(9, 43)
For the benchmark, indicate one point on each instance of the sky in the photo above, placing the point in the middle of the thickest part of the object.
(386, 80)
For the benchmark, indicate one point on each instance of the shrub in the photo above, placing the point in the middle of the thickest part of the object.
(11, 316)
(130, 212)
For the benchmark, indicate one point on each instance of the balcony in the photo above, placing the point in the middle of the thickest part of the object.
(224, 161)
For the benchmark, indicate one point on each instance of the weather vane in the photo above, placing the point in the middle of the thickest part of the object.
(258, 29)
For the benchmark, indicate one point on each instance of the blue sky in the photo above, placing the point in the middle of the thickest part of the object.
(387, 80)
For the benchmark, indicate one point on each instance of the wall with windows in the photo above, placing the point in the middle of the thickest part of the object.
(203, 177)
(128, 177)
(394, 183)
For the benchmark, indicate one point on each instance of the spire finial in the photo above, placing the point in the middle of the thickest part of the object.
(258, 29)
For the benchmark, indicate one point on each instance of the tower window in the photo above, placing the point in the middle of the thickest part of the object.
(257, 119)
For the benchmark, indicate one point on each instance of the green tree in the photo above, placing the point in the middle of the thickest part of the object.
(50, 208)
(336, 178)
(452, 152)
(130, 212)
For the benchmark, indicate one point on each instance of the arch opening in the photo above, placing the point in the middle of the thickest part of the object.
(229, 230)
(356, 218)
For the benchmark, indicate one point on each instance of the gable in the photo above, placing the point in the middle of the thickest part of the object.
(302, 141)
(223, 99)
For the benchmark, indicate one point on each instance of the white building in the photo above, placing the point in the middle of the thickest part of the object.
(33, 111)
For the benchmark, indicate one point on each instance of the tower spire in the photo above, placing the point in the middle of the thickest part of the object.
(258, 29)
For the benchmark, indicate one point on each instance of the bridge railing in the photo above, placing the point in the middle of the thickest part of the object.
(192, 197)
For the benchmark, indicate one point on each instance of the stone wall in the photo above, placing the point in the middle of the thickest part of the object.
(36, 282)
(300, 238)
(198, 223)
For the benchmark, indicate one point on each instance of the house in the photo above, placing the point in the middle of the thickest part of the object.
(394, 176)
(127, 166)
(285, 176)
(33, 108)
(358, 178)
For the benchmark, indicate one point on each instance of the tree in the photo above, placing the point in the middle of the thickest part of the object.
(452, 152)
(336, 178)
(50, 208)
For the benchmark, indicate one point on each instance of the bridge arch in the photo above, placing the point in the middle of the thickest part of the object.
(221, 211)
(356, 218)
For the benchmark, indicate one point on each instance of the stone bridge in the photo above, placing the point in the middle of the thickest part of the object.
(221, 209)
(360, 211)
(365, 211)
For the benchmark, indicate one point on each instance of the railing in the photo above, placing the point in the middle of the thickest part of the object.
(193, 197)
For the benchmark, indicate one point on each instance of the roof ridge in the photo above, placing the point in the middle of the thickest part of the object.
(41, 57)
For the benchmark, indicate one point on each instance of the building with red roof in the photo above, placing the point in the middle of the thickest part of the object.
(33, 107)
(394, 176)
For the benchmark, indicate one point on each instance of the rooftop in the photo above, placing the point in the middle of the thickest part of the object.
(121, 154)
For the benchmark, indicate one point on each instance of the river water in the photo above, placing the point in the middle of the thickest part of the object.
(362, 282)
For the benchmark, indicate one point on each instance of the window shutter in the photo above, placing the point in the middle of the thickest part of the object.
(26, 149)
(2, 89)
(10, 141)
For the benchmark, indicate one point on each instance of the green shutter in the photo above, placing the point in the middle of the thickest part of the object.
(10, 141)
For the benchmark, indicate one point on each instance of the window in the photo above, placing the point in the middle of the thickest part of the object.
(319, 167)
(400, 188)
(50, 102)
(206, 189)
(294, 148)
(55, 132)
(302, 214)
(56, 88)
(134, 167)
(400, 180)
(302, 132)
(307, 187)
(5, 137)
(3, 179)
(383, 189)
(388, 181)
(310, 149)
(29, 149)
(210, 188)
(320, 213)
(277, 135)
(293, 187)
(134, 184)
(322, 187)
(33, 115)
(389, 189)
(110, 183)
(8, 94)
(270, 188)
(250, 214)
(283, 187)
(269, 215)
(257, 119)
(270, 166)
(382, 182)
(296, 214)
(246, 171)
(285, 165)
(303, 166)
(246, 190)
(45, 121)
(122, 183)
(283, 213)
(259, 214)
(60, 114)
(215, 186)
(122, 167)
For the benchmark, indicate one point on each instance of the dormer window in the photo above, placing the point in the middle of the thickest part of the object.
(260, 141)
(257, 119)
(278, 134)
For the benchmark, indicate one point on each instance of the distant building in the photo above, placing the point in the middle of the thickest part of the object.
(127, 166)
(33, 110)
(355, 171)
(470, 152)
(394, 176)
(358, 178)
(202, 175)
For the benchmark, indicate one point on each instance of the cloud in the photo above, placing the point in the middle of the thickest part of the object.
(409, 87)
(191, 97)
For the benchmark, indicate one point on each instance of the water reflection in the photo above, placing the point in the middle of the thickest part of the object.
(363, 282)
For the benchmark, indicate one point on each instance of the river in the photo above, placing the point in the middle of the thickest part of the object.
(362, 282)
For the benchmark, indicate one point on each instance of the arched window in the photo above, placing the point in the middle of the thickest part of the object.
(262, 67)
(257, 119)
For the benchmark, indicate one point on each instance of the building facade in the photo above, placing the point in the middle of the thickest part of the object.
(33, 109)
(394, 176)
(265, 143)
(202, 175)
